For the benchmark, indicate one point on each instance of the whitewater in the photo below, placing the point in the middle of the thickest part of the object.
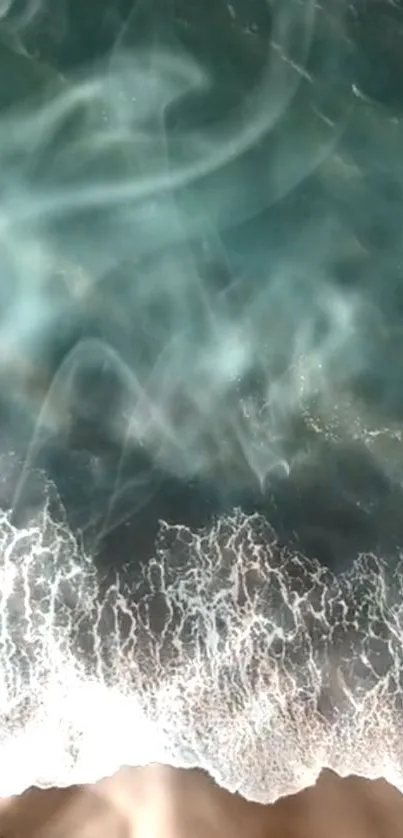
(228, 652)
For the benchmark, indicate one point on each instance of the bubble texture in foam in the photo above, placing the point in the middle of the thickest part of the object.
(228, 652)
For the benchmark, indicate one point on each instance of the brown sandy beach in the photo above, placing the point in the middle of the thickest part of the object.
(159, 802)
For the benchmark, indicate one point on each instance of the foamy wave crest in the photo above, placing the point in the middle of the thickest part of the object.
(229, 652)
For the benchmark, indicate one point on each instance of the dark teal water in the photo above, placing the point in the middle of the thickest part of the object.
(238, 340)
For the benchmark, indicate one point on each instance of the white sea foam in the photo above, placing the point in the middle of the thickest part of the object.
(229, 653)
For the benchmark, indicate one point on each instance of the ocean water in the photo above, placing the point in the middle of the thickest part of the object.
(201, 407)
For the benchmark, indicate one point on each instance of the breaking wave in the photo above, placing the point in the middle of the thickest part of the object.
(229, 652)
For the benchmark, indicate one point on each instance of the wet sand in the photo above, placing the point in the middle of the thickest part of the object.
(159, 802)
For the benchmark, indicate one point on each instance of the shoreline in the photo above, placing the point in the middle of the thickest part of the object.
(164, 802)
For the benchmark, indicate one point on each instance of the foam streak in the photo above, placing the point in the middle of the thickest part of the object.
(231, 654)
